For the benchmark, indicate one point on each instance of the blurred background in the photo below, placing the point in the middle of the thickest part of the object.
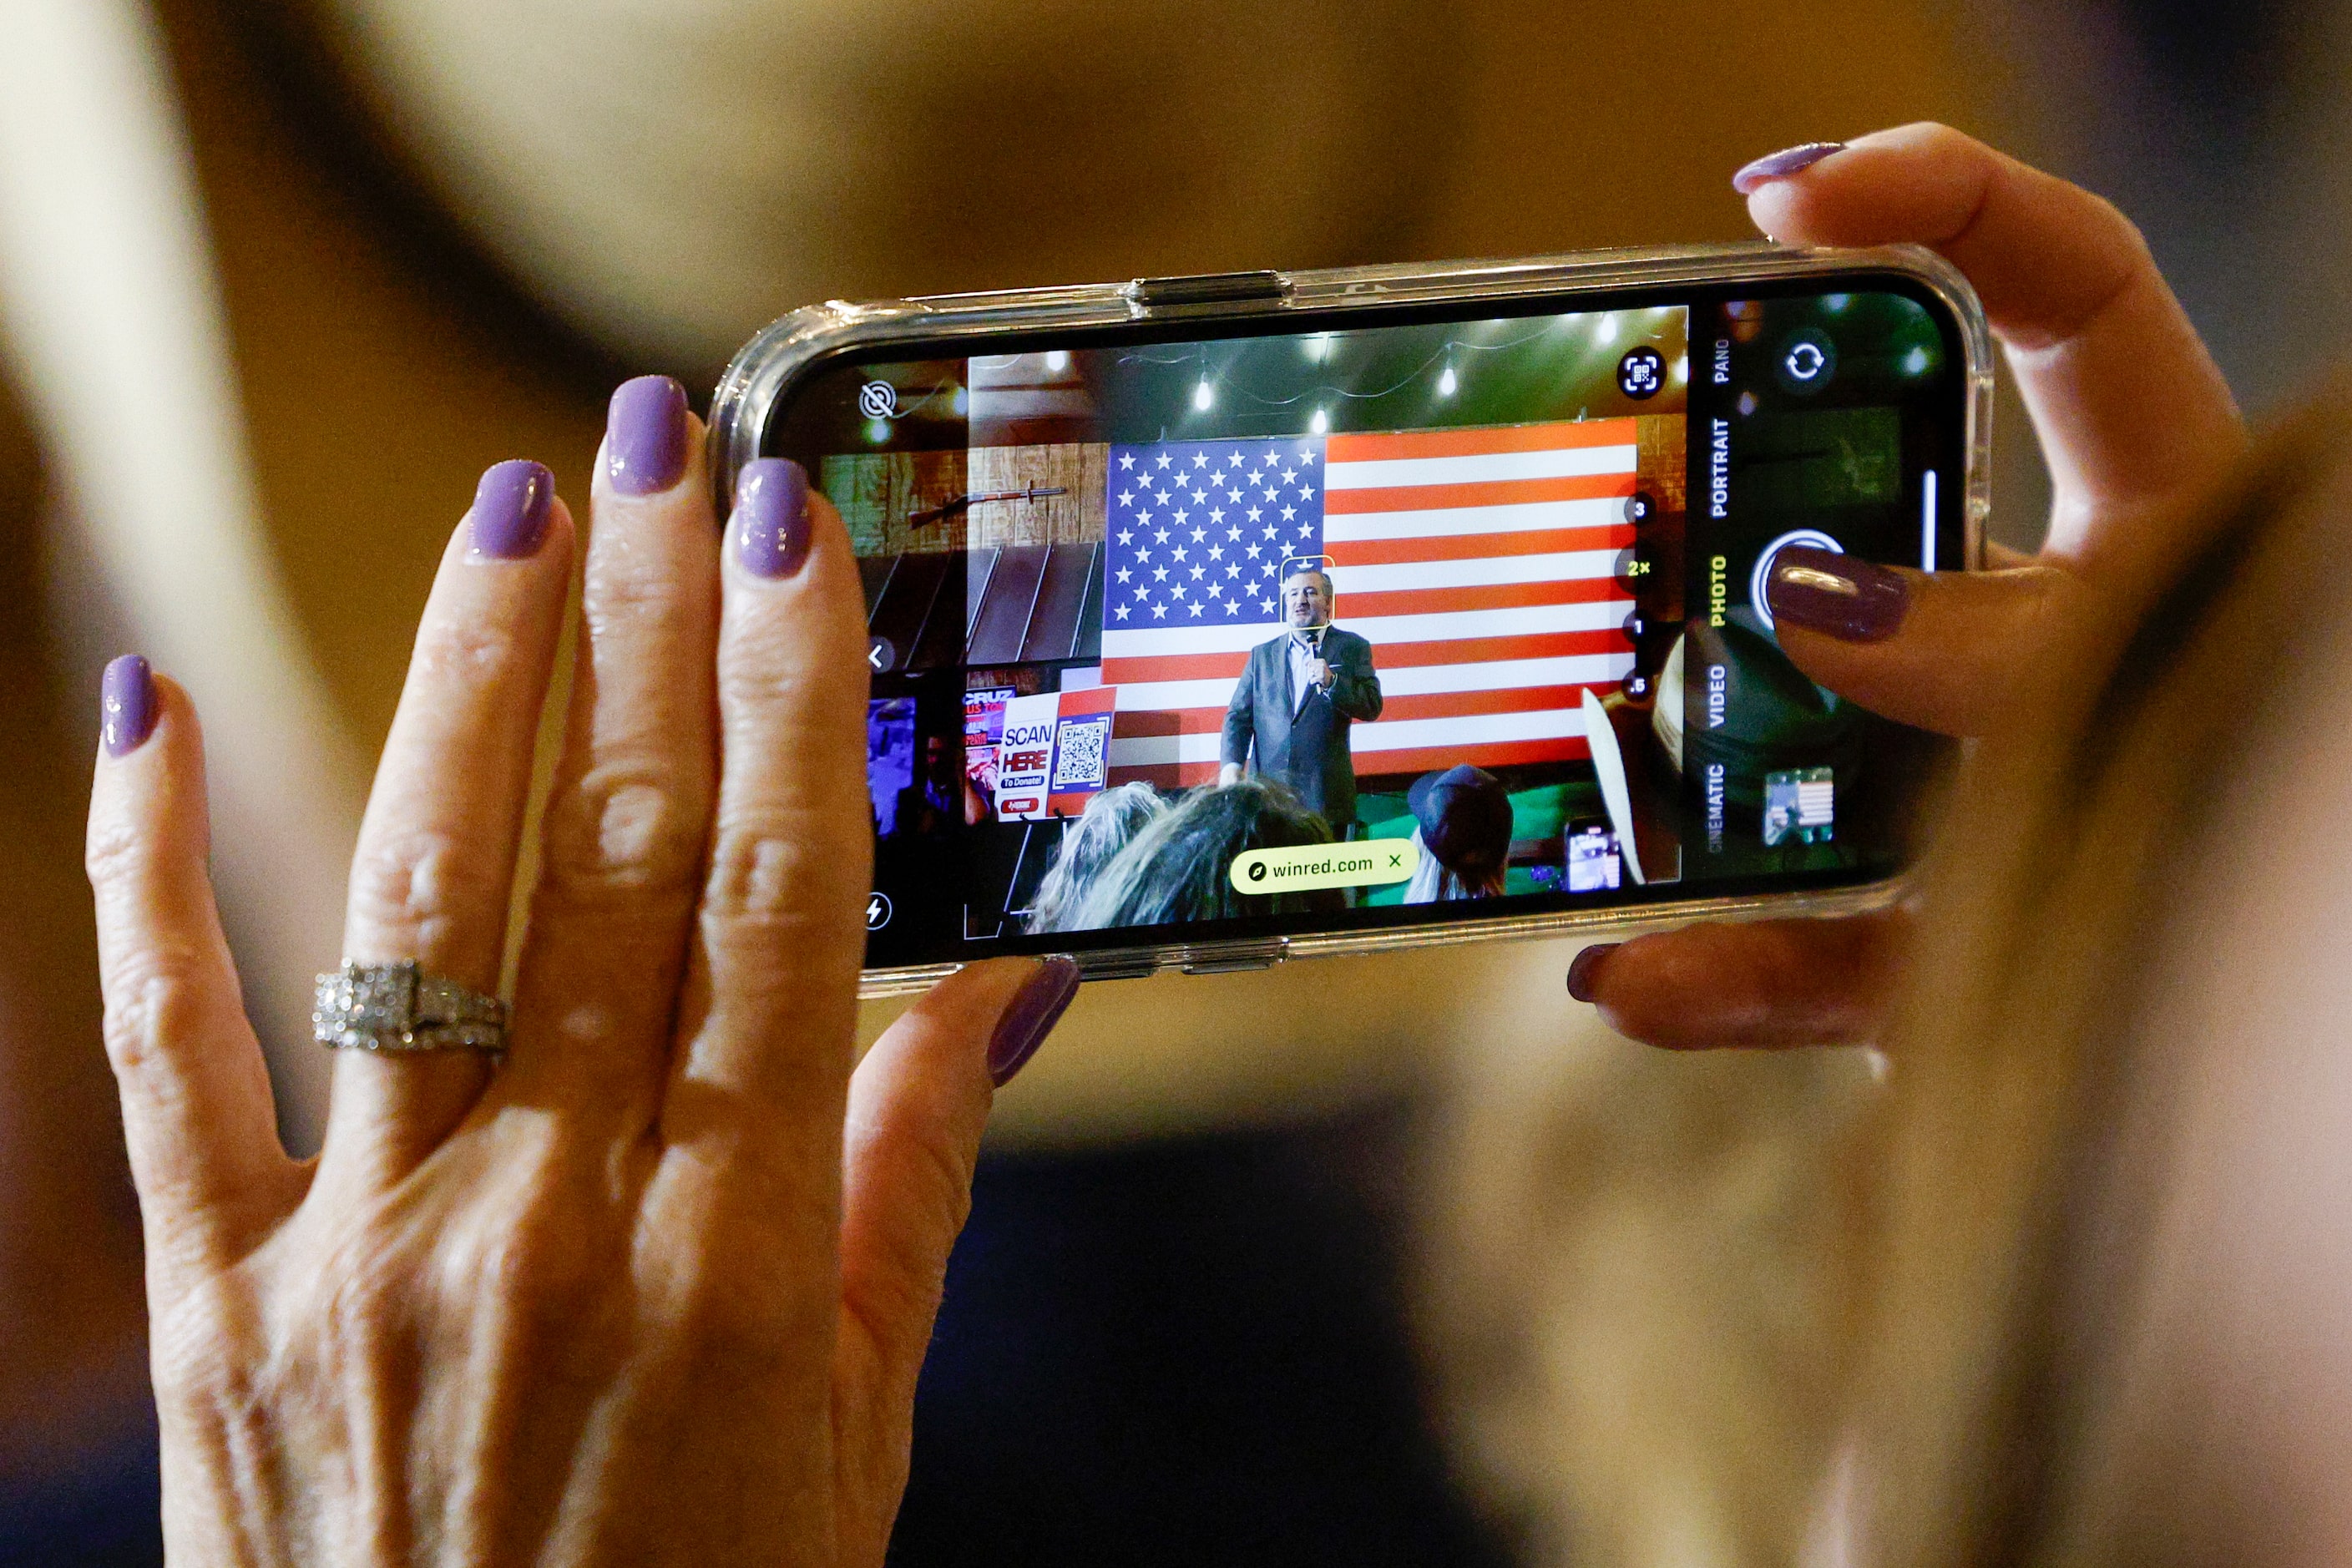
(1406, 1262)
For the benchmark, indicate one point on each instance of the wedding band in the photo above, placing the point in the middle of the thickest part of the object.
(395, 1007)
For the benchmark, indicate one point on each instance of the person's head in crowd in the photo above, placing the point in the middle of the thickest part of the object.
(1462, 824)
(2112, 1286)
(1306, 597)
(1176, 870)
(1110, 822)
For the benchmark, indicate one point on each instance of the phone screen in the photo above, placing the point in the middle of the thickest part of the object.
(1181, 633)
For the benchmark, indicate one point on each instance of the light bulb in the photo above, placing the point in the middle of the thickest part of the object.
(1320, 423)
(1057, 360)
(1203, 396)
(1445, 382)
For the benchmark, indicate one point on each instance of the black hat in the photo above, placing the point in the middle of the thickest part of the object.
(1464, 816)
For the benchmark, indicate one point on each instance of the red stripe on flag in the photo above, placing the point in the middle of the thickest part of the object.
(1488, 597)
(1473, 704)
(1166, 776)
(1390, 656)
(1176, 666)
(1482, 492)
(1362, 448)
(1417, 759)
(1480, 651)
(1475, 547)
(1138, 723)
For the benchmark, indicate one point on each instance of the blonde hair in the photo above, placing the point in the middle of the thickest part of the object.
(2073, 843)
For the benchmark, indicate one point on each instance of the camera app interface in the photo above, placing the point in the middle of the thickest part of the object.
(1175, 640)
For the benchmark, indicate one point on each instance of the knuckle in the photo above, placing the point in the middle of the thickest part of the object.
(628, 832)
(773, 677)
(903, 1294)
(208, 1350)
(465, 653)
(632, 596)
(156, 997)
(737, 1317)
(413, 878)
(787, 869)
(1942, 140)
(529, 1267)
(119, 850)
(369, 1300)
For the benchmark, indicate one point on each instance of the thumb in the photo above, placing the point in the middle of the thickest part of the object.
(917, 1105)
(1943, 652)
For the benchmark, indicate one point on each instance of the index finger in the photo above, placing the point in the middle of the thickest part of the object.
(2130, 407)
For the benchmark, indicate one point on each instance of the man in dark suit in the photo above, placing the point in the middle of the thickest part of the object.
(1292, 709)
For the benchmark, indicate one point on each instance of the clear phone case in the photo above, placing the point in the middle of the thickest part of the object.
(767, 366)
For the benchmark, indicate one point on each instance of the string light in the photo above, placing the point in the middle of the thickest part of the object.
(1321, 423)
(1446, 382)
(1203, 396)
(1057, 360)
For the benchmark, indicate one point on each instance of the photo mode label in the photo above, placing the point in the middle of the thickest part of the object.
(1369, 862)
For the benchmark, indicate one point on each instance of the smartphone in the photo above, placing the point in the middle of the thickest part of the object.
(1218, 620)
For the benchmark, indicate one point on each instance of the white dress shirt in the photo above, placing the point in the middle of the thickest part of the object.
(1303, 655)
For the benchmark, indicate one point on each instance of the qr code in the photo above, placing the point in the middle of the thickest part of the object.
(1079, 753)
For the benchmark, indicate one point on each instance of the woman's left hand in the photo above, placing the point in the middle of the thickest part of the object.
(2134, 420)
(658, 1287)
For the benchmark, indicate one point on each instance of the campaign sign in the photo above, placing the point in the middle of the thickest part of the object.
(983, 725)
(1025, 756)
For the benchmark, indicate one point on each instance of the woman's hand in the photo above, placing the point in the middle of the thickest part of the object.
(658, 1287)
(2133, 419)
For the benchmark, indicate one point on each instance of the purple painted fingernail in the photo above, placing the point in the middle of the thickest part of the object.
(1580, 969)
(126, 705)
(645, 435)
(1836, 595)
(510, 507)
(771, 528)
(1037, 1008)
(1781, 165)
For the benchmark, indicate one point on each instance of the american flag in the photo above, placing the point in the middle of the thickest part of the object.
(1480, 563)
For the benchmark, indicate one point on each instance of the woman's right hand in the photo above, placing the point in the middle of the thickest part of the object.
(2132, 417)
(657, 1287)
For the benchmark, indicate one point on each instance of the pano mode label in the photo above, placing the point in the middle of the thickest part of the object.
(1367, 863)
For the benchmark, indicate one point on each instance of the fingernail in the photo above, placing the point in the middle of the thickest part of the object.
(511, 507)
(1836, 595)
(771, 530)
(1582, 968)
(1036, 1009)
(1781, 165)
(126, 704)
(645, 435)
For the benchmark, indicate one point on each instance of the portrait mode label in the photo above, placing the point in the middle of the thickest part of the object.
(1368, 863)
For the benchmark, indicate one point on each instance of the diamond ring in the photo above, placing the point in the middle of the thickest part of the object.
(396, 1007)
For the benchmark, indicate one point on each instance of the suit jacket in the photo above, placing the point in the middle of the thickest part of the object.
(1270, 730)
